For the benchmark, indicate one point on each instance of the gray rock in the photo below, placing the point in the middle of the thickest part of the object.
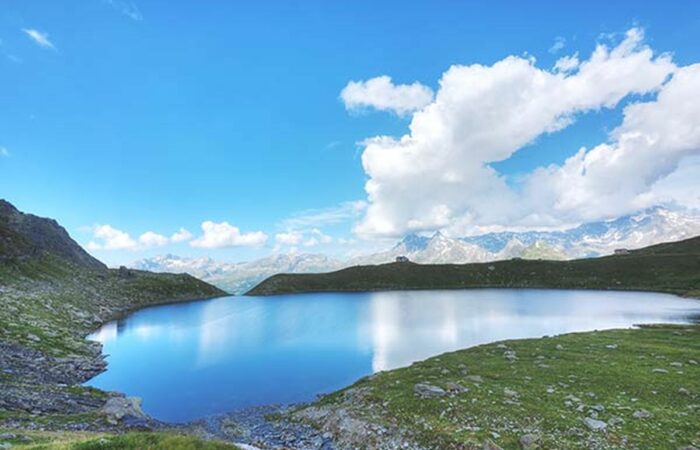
(594, 424)
(510, 355)
(475, 378)
(641, 414)
(614, 421)
(683, 391)
(529, 441)
(428, 390)
(490, 445)
(455, 388)
(658, 370)
(611, 346)
(117, 408)
(510, 393)
(676, 364)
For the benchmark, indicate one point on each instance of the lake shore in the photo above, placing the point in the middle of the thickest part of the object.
(621, 388)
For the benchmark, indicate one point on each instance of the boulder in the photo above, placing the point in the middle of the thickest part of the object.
(594, 424)
(529, 441)
(116, 408)
(428, 390)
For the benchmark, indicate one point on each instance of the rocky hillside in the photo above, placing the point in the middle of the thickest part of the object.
(672, 267)
(26, 236)
(52, 294)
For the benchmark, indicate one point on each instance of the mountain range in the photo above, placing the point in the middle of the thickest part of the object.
(633, 231)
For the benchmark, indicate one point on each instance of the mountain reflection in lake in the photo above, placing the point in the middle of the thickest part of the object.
(193, 359)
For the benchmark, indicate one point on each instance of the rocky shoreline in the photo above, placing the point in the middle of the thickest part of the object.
(41, 392)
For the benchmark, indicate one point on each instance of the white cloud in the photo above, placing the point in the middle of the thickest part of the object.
(151, 239)
(649, 145)
(567, 63)
(40, 38)
(438, 175)
(223, 234)
(559, 43)
(4, 151)
(289, 238)
(381, 94)
(317, 238)
(129, 9)
(181, 235)
(314, 218)
(107, 237)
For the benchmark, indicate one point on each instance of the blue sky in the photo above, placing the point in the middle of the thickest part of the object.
(157, 115)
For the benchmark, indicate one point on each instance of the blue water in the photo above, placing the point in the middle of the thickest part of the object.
(194, 359)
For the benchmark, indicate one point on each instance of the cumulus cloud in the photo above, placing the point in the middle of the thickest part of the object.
(289, 238)
(223, 234)
(151, 239)
(382, 94)
(317, 237)
(439, 174)
(181, 235)
(106, 237)
(567, 63)
(648, 146)
(40, 38)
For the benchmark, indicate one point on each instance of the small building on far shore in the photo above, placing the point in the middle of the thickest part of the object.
(622, 251)
(402, 259)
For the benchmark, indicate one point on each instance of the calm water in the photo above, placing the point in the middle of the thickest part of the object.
(200, 358)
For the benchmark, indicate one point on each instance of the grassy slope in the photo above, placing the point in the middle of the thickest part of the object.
(98, 441)
(672, 267)
(60, 302)
(551, 377)
(52, 295)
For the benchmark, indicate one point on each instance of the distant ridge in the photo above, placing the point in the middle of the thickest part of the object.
(648, 227)
(670, 267)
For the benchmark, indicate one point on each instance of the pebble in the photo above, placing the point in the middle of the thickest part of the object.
(658, 370)
(594, 424)
(529, 441)
(510, 393)
(641, 414)
(490, 445)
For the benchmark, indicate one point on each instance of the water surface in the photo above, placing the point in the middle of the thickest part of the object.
(194, 359)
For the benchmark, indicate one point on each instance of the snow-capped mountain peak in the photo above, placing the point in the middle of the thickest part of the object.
(645, 228)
